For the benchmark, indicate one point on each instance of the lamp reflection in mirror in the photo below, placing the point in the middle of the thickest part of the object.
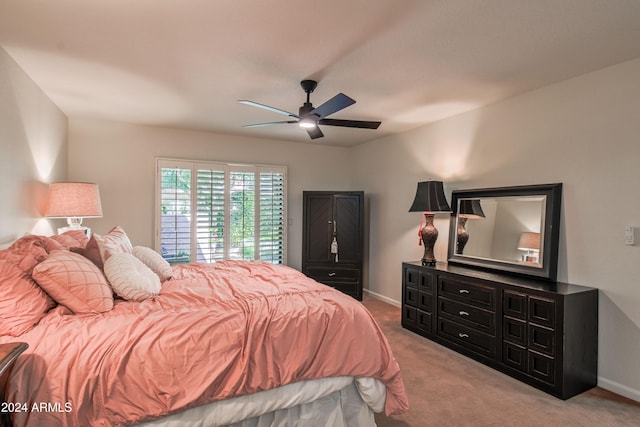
(469, 209)
(529, 242)
(74, 201)
(429, 199)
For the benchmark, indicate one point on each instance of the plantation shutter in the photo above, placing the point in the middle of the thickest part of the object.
(210, 223)
(242, 215)
(272, 217)
(214, 211)
(175, 212)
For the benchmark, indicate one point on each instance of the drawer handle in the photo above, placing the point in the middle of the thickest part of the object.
(464, 313)
(463, 291)
(332, 274)
(461, 335)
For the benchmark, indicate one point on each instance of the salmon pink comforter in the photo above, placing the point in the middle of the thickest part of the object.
(214, 332)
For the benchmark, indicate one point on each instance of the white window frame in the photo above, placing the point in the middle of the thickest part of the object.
(227, 168)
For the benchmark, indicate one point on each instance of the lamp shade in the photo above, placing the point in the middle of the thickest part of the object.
(529, 241)
(73, 199)
(470, 208)
(430, 198)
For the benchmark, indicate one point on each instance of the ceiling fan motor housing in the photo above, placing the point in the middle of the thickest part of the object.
(306, 108)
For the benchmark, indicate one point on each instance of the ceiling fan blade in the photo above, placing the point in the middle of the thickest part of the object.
(333, 105)
(314, 132)
(350, 123)
(269, 124)
(266, 107)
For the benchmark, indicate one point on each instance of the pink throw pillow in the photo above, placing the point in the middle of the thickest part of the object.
(75, 282)
(22, 302)
(101, 247)
(29, 250)
(73, 240)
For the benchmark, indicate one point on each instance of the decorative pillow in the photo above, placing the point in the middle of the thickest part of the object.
(72, 240)
(22, 302)
(154, 261)
(75, 282)
(30, 241)
(101, 247)
(29, 250)
(130, 278)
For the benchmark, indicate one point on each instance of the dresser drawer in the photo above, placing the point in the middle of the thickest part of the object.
(515, 331)
(424, 321)
(470, 293)
(542, 339)
(411, 276)
(542, 367)
(331, 275)
(410, 296)
(426, 282)
(483, 320)
(514, 304)
(515, 356)
(425, 302)
(467, 337)
(409, 316)
(352, 289)
(542, 311)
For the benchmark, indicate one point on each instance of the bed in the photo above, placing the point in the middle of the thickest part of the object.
(231, 343)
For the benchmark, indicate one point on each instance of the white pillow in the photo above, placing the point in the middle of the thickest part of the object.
(130, 278)
(154, 261)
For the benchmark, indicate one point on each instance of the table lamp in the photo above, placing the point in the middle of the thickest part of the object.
(429, 199)
(530, 242)
(469, 209)
(74, 201)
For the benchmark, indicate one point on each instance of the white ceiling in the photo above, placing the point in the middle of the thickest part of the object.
(406, 62)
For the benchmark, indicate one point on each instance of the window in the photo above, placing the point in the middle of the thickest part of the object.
(209, 212)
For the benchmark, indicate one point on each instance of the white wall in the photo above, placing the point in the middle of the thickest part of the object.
(33, 151)
(121, 159)
(583, 132)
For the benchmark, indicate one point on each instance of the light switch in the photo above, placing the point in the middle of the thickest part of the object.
(629, 235)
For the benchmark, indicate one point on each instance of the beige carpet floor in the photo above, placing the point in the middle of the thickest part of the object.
(448, 389)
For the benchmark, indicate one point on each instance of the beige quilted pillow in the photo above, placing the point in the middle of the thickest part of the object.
(154, 261)
(130, 278)
(75, 282)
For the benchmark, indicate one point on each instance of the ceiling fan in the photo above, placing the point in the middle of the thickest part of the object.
(309, 117)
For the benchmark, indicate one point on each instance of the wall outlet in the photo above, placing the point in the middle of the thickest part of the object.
(629, 235)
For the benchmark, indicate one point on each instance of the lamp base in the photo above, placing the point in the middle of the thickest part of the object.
(463, 235)
(429, 236)
(428, 262)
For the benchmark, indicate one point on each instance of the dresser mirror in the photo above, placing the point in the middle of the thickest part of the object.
(511, 229)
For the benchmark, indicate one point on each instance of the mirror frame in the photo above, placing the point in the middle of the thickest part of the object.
(548, 269)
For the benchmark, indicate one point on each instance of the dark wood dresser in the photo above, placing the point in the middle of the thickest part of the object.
(542, 333)
(329, 214)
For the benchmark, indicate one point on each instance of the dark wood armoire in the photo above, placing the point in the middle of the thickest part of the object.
(333, 239)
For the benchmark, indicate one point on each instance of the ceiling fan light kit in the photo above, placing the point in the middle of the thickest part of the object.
(307, 122)
(309, 117)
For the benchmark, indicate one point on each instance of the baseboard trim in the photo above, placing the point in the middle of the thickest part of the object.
(618, 388)
(383, 298)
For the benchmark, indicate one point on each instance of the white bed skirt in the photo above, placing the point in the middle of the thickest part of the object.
(338, 402)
